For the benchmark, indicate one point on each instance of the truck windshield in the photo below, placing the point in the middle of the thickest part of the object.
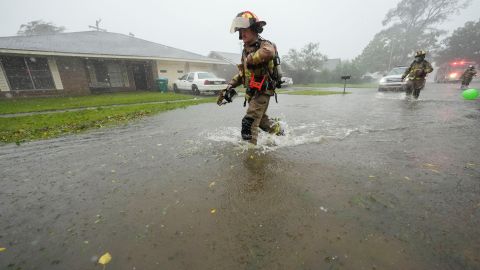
(397, 71)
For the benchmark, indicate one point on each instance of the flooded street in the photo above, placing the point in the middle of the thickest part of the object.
(367, 180)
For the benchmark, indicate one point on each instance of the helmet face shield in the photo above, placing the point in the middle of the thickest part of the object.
(239, 23)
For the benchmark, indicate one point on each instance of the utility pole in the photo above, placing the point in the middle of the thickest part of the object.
(97, 26)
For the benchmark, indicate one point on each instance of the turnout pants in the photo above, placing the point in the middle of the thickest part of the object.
(466, 81)
(414, 86)
(256, 117)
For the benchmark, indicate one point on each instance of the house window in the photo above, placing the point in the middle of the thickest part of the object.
(115, 74)
(107, 74)
(179, 71)
(101, 71)
(163, 71)
(27, 73)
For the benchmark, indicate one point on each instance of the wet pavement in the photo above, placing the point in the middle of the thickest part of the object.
(361, 181)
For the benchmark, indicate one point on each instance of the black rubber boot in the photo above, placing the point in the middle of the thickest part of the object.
(247, 128)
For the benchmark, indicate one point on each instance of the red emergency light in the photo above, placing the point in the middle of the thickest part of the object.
(460, 62)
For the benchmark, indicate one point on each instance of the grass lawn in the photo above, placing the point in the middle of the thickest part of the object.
(60, 103)
(314, 92)
(324, 85)
(24, 128)
(19, 129)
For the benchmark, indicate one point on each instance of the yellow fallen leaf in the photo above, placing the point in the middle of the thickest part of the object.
(429, 165)
(251, 157)
(406, 177)
(106, 258)
(2, 249)
(211, 184)
(371, 176)
(213, 211)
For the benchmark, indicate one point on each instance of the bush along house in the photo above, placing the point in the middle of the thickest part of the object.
(82, 63)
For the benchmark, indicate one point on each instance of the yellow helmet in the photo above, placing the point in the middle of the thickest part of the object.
(247, 19)
(420, 53)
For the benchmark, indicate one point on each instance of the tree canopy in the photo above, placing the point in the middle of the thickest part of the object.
(303, 64)
(39, 27)
(410, 26)
(309, 58)
(463, 43)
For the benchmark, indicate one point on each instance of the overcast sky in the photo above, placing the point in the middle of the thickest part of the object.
(342, 27)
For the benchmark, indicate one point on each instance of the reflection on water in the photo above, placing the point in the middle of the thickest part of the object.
(364, 181)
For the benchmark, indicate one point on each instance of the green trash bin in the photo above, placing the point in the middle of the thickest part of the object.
(162, 84)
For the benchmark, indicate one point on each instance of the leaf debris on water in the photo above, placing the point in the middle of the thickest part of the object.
(213, 210)
(106, 258)
(429, 165)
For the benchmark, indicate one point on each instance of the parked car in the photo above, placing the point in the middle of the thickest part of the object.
(199, 82)
(393, 80)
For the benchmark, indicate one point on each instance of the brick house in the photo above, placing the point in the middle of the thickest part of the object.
(82, 63)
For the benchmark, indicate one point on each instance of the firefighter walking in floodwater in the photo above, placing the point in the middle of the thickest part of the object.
(259, 73)
(467, 76)
(416, 74)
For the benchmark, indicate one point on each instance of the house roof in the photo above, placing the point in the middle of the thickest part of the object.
(232, 58)
(98, 44)
(332, 64)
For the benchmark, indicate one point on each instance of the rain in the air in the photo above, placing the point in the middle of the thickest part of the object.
(255, 135)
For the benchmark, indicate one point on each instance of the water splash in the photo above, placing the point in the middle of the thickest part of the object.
(393, 96)
(303, 133)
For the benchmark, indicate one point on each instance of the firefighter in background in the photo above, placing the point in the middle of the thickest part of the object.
(467, 76)
(416, 74)
(260, 75)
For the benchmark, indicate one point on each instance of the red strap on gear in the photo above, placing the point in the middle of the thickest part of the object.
(256, 85)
